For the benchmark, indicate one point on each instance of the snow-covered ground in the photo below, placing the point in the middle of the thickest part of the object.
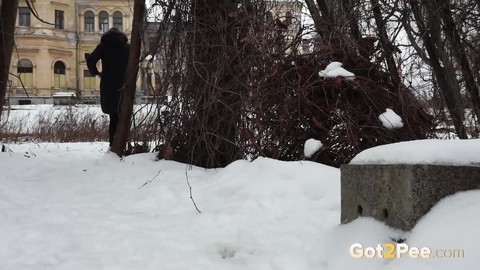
(75, 207)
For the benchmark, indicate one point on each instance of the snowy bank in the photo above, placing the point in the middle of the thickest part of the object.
(438, 152)
(71, 206)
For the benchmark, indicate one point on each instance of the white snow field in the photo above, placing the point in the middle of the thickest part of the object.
(72, 206)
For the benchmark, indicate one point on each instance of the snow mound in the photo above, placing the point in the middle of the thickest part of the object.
(334, 69)
(390, 120)
(311, 147)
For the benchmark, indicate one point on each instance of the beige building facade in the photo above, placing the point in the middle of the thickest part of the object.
(48, 60)
(49, 57)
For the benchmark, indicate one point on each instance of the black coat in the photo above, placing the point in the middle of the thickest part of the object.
(113, 50)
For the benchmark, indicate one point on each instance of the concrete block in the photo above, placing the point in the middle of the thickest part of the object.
(399, 195)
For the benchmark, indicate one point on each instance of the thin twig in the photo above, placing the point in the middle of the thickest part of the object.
(190, 189)
(34, 11)
(149, 181)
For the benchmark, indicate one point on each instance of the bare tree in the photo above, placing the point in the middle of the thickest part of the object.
(212, 95)
(459, 53)
(242, 88)
(438, 58)
(8, 17)
(128, 97)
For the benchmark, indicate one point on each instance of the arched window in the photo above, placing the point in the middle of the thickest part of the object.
(269, 17)
(118, 20)
(158, 83)
(59, 68)
(289, 17)
(59, 75)
(89, 22)
(103, 21)
(25, 72)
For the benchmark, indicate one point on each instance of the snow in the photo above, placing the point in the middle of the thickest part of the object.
(64, 94)
(390, 120)
(148, 57)
(331, 66)
(311, 147)
(435, 152)
(73, 206)
(334, 69)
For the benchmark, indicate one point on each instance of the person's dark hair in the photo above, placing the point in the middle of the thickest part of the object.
(115, 32)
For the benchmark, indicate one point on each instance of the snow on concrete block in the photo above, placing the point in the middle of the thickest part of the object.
(400, 194)
(398, 183)
(428, 151)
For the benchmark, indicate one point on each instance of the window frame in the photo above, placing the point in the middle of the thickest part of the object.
(24, 16)
(89, 26)
(59, 75)
(105, 22)
(24, 68)
(59, 70)
(89, 81)
(59, 19)
(25, 72)
(289, 17)
(269, 17)
(117, 20)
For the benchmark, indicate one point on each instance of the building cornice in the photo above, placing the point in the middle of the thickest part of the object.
(28, 50)
(60, 52)
(55, 3)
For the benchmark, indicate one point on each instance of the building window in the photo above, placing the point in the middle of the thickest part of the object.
(89, 22)
(289, 17)
(152, 44)
(25, 72)
(23, 16)
(59, 75)
(118, 20)
(103, 21)
(24, 102)
(269, 17)
(88, 80)
(59, 19)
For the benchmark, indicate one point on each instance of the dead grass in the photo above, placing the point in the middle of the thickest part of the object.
(77, 124)
(61, 125)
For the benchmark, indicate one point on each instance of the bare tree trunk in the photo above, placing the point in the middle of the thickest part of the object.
(386, 44)
(8, 17)
(321, 22)
(126, 110)
(214, 89)
(449, 89)
(323, 6)
(349, 9)
(317, 18)
(460, 54)
(364, 46)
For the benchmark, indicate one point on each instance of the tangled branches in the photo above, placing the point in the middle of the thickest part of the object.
(241, 87)
(295, 104)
